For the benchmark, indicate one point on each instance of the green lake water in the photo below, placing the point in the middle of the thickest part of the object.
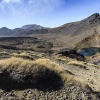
(89, 51)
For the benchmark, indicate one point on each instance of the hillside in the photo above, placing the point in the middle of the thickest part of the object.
(5, 32)
(32, 27)
(67, 35)
(70, 34)
(24, 30)
(91, 41)
(31, 70)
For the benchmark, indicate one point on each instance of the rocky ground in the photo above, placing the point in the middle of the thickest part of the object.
(66, 93)
(89, 74)
(87, 71)
(84, 69)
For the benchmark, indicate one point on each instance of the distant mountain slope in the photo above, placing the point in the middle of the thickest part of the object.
(78, 27)
(5, 31)
(91, 41)
(67, 35)
(32, 27)
(73, 28)
(23, 31)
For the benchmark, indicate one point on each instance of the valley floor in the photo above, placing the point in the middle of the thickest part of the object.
(79, 80)
(84, 72)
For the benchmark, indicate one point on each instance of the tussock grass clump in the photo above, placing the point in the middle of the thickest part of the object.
(4, 53)
(22, 55)
(25, 56)
(43, 74)
(78, 63)
(81, 64)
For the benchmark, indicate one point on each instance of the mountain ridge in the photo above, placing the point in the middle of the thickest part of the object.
(67, 35)
(88, 22)
(32, 26)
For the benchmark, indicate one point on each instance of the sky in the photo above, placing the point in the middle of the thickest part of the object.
(47, 13)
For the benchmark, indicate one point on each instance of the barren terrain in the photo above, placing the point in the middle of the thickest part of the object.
(62, 63)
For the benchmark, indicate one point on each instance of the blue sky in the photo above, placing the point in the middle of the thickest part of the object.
(48, 13)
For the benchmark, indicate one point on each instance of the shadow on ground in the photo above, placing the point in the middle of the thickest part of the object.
(43, 82)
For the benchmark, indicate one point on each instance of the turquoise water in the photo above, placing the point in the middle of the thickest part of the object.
(89, 51)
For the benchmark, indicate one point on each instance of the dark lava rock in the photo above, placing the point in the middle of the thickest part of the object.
(72, 54)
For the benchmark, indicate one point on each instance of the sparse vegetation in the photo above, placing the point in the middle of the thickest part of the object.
(4, 53)
(78, 63)
(23, 55)
(45, 71)
(39, 72)
(51, 63)
(35, 72)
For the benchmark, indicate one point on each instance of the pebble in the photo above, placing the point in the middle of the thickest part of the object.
(66, 93)
(29, 91)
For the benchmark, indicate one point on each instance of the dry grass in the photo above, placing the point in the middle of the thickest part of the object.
(62, 72)
(81, 64)
(60, 57)
(39, 72)
(24, 55)
(14, 63)
(28, 55)
(38, 68)
(75, 62)
(28, 66)
(4, 53)
(78, 63)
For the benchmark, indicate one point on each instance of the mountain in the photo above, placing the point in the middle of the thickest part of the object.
(24, 30)
(28, 30)
(78, 27)
(67, 35)
(5, 31)
(91, 41)
(32, 27)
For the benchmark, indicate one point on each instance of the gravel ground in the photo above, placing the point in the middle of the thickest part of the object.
(66, 93)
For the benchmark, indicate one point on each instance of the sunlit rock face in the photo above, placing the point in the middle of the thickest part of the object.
(92, 41)
(90, 45)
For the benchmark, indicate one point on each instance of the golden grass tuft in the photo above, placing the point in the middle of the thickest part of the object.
(78, 63)
(23, 55)
(81, 64)
(19, 63)
(28, 66)
(62, 72)
(39, 69)
(4, 53)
